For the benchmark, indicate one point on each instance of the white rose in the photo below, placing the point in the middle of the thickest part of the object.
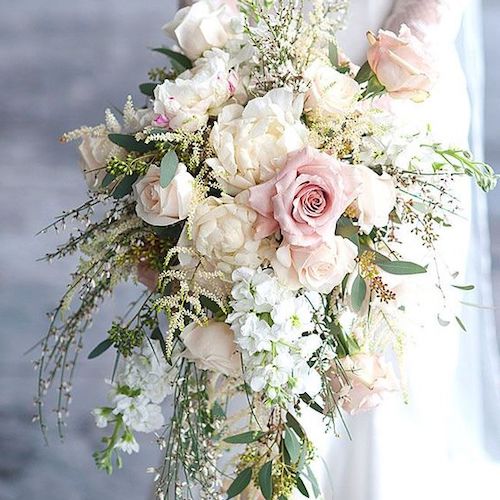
(212, 347)
(196, 94)
(164, 206)
(331, 93)
(319, 269)
(95, 151)
(252, 142)
(376, 199)
(202, 26)
(223, 232)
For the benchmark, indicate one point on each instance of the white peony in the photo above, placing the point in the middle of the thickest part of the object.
(164, 206)
(331, 93)
(196, 94)
(252, 142)
(212, 347)
(202, 26)
(222, 231)
(319, 269)
(376, 199)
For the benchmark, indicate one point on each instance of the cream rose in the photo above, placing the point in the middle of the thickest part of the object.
(196, 94)
(376, 198)
(202, 26)
(331, 93)
(401, 64)
(362, 382)
(164, 206)
(212, 347)
(319, 269)
(222, 231)
(252, 142)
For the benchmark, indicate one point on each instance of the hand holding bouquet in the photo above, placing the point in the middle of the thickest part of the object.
(263, 195)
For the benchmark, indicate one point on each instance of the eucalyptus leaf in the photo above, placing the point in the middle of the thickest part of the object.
(266, 480)
(358, 293)
(101, 348)
(148, 88)
(182, 61)
(245, 437)
(302, 487)
(460, 323)
(292, 444)
(157, 335)
(292, 422)
(130, 143)
(401, 267)
(346, 228)
(108, 179)
(124, 187)
(313, 481)
(168, 168)
(333, 54)
(466, 288)
(240, 483)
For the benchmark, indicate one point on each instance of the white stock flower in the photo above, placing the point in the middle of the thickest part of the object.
(205, 24)
(294, 316)
(128, 444)
(252, 142)
(331, 93)
(139, 413)
(196, 94)
(222, 231)
(101, 416)
(160, 206)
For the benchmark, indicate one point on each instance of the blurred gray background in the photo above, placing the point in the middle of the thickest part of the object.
(61, 64)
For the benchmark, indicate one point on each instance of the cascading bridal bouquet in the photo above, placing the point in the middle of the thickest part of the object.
(265, 195)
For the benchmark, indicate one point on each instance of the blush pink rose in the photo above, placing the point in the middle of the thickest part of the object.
(361, 382)
(305, 199)
(401, 64)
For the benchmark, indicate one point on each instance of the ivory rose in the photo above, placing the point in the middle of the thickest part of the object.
(319, 269)
(376, 198)
(252, 142)
(222, 231)
(305, 199)
(401, 64)
(202, 26)
(164, 206)
(331, 93)
(362, 382)
(212, 347)
(187, 102)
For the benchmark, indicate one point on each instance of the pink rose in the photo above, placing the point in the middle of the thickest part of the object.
(305, 199)
(401, 64)
(362, 381)
(319, 269)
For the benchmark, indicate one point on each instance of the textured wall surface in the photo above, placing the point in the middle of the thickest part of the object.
(61, 64)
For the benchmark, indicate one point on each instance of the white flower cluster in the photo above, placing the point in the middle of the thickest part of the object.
(275, 329)
(142, 384)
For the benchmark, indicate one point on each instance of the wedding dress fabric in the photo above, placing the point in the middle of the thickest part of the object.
(433, 446)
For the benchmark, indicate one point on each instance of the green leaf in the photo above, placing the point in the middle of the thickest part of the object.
(108, 179)
(245, 437)
(148, 88)
(400, 267)
(292, 422)
(364, 73)
(461, 324)
(466, 288)
(302, 487)
(217, 411)
(313, 481)
(168, 168)
(358, 293)
(124, 187)
(240, 483)
(129, 143)
(102, 347)
(293, 445)
(182, 61)
(346, 228)
(312, 404)
(266, 480)
(157, 335)
(333, 54)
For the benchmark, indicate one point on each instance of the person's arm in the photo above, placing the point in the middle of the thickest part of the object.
(435, 21)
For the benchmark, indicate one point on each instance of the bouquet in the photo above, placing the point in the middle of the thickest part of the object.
(266, 197)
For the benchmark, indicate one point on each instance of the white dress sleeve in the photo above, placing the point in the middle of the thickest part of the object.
(433, 21)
